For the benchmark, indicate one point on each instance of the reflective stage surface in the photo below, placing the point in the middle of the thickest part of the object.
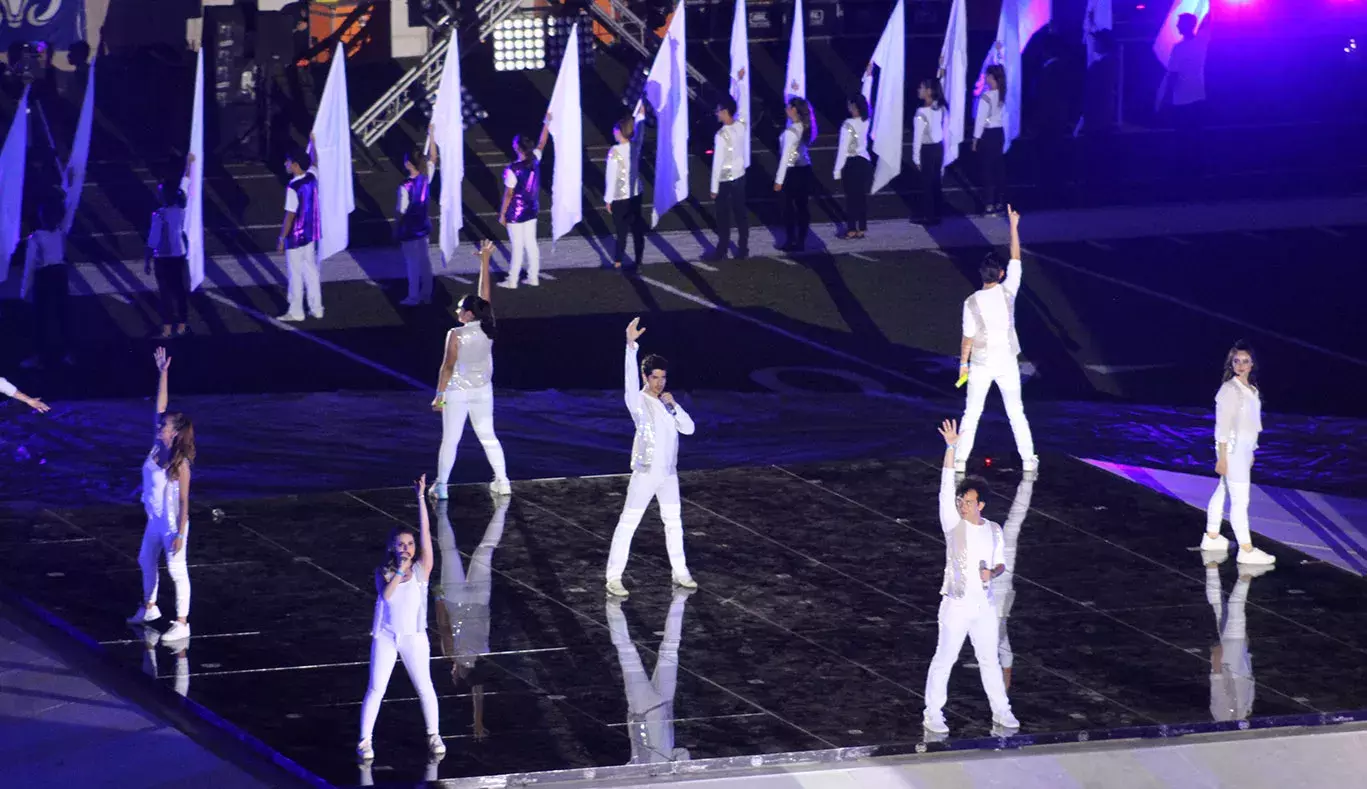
(813, 627)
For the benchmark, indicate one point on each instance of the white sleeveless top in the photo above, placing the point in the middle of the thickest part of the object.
(160, 494)
(474, 359)
(405, 612)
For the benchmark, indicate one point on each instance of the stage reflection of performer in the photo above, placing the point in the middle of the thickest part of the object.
(179, 649)
(650, 697)
(1231, 664)
(463, 618)
(1004, 585)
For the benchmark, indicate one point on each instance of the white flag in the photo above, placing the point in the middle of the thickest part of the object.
(12, 184)
(74, 177)
(890, 56)
(1006, 52)
(1168, 35)
(795, 81)
(954, 80)
(1098, 17)
(194, 196)
(567, 129)
(740, 65)
(448, 127)
(332, 140)
(666, 90)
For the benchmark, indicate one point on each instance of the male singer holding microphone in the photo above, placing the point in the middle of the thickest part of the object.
(974, 555)
(654, 456)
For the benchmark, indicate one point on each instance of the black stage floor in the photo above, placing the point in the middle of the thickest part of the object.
(812, 629)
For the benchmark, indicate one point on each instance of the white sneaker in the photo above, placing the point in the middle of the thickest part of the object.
(316, 315)
(1214, 542)
(533, 281)
(685, 581)
(616, 589)
(145, 614)
(1030, 464)
(501, 487)
(1006, 720)
(935, 723)
(1252, 571)
(179, 631)
(290, 318)
(510, 284)
(437, 492)
(1256, 556)
(1214, 557)
(364, 751)
(434, 745)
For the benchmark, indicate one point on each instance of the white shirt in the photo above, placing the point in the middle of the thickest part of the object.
(928, 130)
(510, 177)
(8, 389)
(623, 174)
(291, 196)
(655, 449)
(854, 141)
(991, 113)
(728, 152)
(793, 143)
(1238, 413)
(405, 612)
(982, 543)
(992, 304)
(46, 248)
(1187, 65)
(403, 193)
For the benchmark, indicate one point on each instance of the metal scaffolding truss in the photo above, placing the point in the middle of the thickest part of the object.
(398, 100)
(491, 12)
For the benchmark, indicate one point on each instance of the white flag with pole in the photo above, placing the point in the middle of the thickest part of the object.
(889, 110)
(12, 158)
(666, 90)
(332, 141)
(448, 128)
(1099, 17)
(1168, 35)
(954, 79)
(74, 177)
(567, 129)
(194, 196)
(1006, 52)
(795, 81)
(740, 74)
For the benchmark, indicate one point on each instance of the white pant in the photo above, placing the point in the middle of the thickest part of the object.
(1006, 375)
(478, 405)
(161, 536)
(523, 238)
(418, 261)
(385, 648)
(976, 619)
(302, 264)
(645, 486)
(1239, 463)
(650, 697)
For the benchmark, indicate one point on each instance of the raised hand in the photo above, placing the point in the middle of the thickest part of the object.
(163, 361)
(949, 431)
(421, 485)
(634, 331)
(486, 249)
(1013, 216)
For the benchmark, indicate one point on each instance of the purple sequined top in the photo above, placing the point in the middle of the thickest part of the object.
(307, 219)
(526, 191)
(415, 222)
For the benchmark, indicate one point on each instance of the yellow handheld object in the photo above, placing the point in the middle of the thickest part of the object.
(963, 379)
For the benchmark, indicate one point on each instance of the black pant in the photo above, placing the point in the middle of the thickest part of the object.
(729, 206)
(932, 156)
(51, 289)
(626, 217)
(173, 283)
(858, 177)
(797, 217)
(1189, 123)
(993, 163)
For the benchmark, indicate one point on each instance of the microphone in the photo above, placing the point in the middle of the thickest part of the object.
(669, 407)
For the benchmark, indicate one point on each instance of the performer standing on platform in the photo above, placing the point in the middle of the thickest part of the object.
(728, 180)
(990, 343)
(989, 137)
(47, 283)
(927, 147)
(521, 201)
(1238, 421)
(299, 236)
(167, 252)
(10, 390)
(794, 177)
(400, 628)
(623, 189)
(852, 165)
(413, 222)
(166, 497)
(465, 383)
(974, 555)
(654, 459)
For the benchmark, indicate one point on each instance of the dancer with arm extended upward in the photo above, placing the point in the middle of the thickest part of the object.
(465, 383)
(521, 203)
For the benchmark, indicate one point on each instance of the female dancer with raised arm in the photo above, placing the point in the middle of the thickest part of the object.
(1238, 421)
(465, 383)
(166, 497)
(400, 628)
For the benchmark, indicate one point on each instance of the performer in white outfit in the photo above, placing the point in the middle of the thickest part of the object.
(1231, 664)
(10, 390)
(622, 190)
(465, 383)
(974, 555)
(1004, 585)
(400, 628)
(1238, 421)
(650, 697)
(654, 458)
(730, 151)
(990, 344)
(521, 205)
(166, 498)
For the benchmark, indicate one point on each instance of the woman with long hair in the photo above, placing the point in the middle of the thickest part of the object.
(521, 204)
(989, 138)
(465, 383)
(1238, 421)
(400, 628)
(166, 498)
(852, 165)
(794, 177)
(927, 151)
